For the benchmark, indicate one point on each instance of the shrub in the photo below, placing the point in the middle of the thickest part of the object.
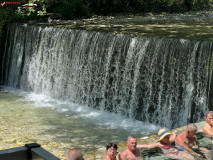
(72, 9)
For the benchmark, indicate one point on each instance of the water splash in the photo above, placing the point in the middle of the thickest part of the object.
(100, 118)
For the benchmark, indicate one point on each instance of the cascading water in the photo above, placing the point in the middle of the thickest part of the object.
(159, 80)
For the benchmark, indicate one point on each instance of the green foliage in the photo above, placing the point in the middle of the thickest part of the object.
(141, 6)
(24, 13)
(72, 9)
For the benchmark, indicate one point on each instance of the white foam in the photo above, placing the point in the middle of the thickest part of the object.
(98, 117)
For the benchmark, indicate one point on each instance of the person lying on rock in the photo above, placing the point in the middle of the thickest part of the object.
(111, 152)
(166, 141)
(208, 127)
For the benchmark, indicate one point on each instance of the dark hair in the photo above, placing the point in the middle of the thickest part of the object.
(111, 145)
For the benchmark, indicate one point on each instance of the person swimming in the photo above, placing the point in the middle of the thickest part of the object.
(208, 127)
(132, 152)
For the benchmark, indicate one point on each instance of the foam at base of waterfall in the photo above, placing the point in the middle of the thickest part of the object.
(98, 117)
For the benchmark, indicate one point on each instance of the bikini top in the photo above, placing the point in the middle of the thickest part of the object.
(167, 147)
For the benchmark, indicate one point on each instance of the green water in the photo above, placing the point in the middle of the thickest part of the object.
(57, 128)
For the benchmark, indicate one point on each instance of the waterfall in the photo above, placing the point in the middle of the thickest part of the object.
(158, 80)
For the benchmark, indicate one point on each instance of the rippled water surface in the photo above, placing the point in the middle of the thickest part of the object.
(58, 126)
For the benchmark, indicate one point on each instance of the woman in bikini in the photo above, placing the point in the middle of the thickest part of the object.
(166, 142)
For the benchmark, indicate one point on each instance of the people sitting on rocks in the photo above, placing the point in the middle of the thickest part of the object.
(111, 152)
(74, 154)
(176, 150)
(132, 152)
(208, 127)
(166, 141)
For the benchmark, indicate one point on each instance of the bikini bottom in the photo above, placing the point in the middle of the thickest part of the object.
(183, 149)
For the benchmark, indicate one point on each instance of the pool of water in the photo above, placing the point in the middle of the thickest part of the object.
(60, 125)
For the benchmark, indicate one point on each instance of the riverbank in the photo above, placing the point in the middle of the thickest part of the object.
(193, 26)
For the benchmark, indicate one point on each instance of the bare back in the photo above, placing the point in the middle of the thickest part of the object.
(182, 139)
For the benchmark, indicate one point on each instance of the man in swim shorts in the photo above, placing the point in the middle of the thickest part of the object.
(132, 152)
(208, 127)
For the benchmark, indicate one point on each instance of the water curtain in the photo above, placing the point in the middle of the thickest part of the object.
(159, 80)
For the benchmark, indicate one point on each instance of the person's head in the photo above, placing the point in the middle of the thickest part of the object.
(191, 130)
(164, 136)
(74, 154)
(111, 150)
(209, 118)
(131, 143)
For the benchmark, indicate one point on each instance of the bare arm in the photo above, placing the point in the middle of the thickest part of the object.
(149, 146)
(172, 137)
(182, 143)
(118, 156)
